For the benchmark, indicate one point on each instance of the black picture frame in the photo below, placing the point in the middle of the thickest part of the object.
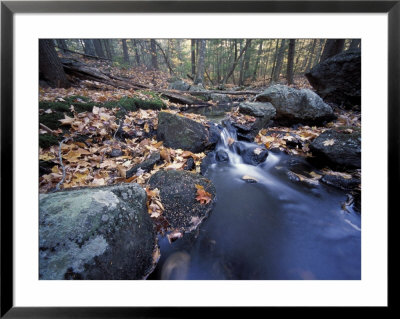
(9, 8)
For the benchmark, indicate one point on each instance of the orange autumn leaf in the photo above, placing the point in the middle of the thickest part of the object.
(202, 196)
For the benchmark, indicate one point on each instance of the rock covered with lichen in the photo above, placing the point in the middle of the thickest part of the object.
(96, 233)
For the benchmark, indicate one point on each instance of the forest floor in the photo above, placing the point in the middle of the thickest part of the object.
(84, 121)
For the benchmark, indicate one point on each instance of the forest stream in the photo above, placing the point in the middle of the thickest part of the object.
(266, 227)
(199, 159)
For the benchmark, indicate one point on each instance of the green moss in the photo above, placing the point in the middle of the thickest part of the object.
(51, 120)
(47, 140)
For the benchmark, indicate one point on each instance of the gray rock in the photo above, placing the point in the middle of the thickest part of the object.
(190, 164)
(146, 165)
(222, 156)
(181, 132)
(207, 162)
(199, 88)
(179, 85)
(178, 195)
(251, 154)
(338, 79)
(96, 233)
(338, 148)
(214, 134)
(221, 98)
(341, 182)
(296, 106)
(258, 109)
(116, 152)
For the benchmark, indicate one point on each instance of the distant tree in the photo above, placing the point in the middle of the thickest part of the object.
(153, 49)
(245, 65)
(200, 62)
(135, 47)
(109, 48)
(290, 60)
(279, 60)
(125, 51)
(236, 61)
(275, 59)
(193, 55)
(98, 48)
(50, 67)
(62, 45)
(89, 47)
(355, 44)
(259, 53)
(332, 47)
(310, 56)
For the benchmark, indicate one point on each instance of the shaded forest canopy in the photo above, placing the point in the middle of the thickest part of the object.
(212, 62)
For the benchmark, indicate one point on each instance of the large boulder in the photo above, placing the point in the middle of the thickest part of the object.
(338, 79)
(96, 233)
(258, 109)
(296, 106)
(339, 147)
(179, 85)
(178, 196)
(181, 132)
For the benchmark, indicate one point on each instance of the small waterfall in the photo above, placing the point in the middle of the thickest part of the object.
(228, 137)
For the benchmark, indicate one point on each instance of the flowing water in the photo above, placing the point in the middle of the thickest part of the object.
(273, 229)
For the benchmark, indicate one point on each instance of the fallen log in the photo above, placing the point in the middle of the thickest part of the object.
(223, 92)
(179, 98)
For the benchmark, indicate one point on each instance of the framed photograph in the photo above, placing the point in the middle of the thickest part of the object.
(196, 155)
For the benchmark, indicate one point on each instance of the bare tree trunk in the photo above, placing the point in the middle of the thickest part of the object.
(355, 44)
(235, 57)
(193, 55)
(275, 58)
(108, 48)
(279, 60)
(245, 66)
(136, 48)
(50, 67)
(62, 45)
(153, 48)
(125, 51)
(332, 47)
(319, 51)
(257, 61)
(200, 62)
(311, 54)
(289, 70)
(98, 48)
(89, 47)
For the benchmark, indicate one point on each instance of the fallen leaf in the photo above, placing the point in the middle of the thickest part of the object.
(250, 179)
(202, 196)
(329, 142)
(67, 120)
(230, 141)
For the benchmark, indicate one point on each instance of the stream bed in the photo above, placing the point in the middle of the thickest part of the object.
(271, 229)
